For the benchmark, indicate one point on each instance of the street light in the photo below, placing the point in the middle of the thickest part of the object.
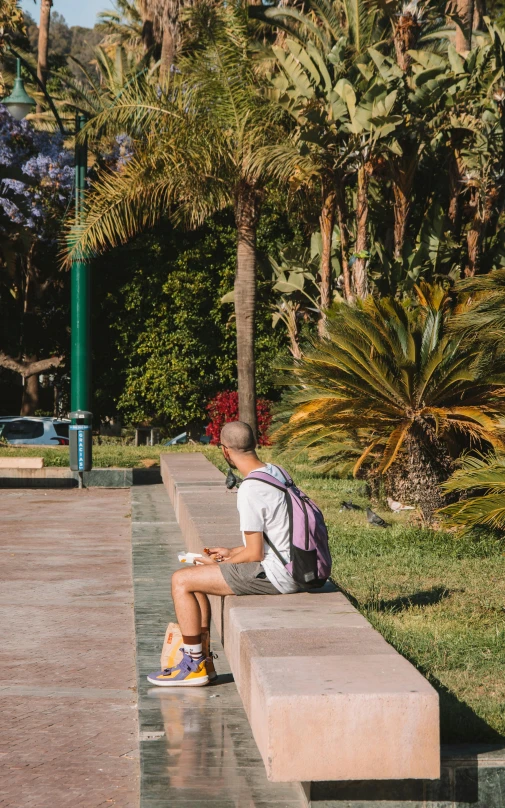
(20, 104)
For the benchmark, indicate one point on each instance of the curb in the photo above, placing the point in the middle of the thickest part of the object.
(57, 477)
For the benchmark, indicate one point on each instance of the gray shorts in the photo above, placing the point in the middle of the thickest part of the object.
(247, 579)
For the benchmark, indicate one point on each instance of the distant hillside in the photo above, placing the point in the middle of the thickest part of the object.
(64, 41)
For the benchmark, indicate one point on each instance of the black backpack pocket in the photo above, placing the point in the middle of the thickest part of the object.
(305, 567)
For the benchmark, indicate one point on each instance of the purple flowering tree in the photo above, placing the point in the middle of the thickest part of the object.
(36, 178)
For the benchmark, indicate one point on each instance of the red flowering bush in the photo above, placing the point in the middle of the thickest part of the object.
(224, 408)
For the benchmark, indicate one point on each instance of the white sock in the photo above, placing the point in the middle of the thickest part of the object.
(195, 650)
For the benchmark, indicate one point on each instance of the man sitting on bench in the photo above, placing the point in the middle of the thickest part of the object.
(251, 569)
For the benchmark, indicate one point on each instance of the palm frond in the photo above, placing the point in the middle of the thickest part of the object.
(482, 480)
(387, 371)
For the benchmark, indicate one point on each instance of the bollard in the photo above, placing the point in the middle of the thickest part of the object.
(81, 441)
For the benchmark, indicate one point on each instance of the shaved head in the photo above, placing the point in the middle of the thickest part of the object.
(238, 436)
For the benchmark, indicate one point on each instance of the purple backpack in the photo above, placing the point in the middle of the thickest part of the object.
(310, 564)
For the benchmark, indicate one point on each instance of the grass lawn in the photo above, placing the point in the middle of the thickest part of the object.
(437, 599)
(104, 456)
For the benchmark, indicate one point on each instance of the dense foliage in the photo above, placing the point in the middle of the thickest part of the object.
(36, 177)
(164, 345)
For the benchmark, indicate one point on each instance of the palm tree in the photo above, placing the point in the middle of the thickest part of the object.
(43, 46)
(390, 390)
(317, 57)
(123, 25)
(194, 144)
(163, 16)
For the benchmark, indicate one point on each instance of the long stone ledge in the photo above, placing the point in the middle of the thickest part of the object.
(328, 699)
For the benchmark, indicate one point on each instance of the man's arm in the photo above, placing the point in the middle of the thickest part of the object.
(253, 550)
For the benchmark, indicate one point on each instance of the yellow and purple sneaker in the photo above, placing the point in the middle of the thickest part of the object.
(188, 672)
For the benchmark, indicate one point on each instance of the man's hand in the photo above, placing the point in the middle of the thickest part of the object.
(218, 553)
(202, 560)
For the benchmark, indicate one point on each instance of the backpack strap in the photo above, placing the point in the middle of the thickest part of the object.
(264, 477)
(274, 548)
(285, 474)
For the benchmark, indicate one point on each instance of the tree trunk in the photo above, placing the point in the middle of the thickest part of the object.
(405, 37)
(168, 48)
(404, 170)
(479, 12)
(171, 36)
(477, 232)
(359, 270)
(247, 209)
(30, 399)
(455, 179)
(43, 46)
(464, 11)
(344, 241)
(326, 223)
(415, 478)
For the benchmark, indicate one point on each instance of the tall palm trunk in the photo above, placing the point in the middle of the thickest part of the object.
(170, 39)
(359, 270)
(344, 240)
(404, 169)
(326, 223)
(477, 232)
(247, 209)
(455, 187)
(405, 37)
(43, 45)
(161, 21)
(465, 11)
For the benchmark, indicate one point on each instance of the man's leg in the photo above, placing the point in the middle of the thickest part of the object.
(188, 587)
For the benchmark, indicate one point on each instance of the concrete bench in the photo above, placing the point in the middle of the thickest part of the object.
(21, 462)
(327, 697)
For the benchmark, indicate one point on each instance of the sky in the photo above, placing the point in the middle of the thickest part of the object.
(76, 12)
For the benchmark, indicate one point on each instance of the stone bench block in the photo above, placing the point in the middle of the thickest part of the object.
(21, 462)
(327, 697)
(344, 718)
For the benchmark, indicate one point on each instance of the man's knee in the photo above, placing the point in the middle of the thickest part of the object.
(179, 580)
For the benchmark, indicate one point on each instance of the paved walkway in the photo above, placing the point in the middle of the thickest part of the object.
(67, 660)
(68, 677)
(196, 745)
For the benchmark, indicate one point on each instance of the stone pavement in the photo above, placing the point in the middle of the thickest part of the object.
(196, 745)
(67, 654)
(68, 706)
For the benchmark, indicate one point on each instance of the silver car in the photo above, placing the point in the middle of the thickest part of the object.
(17, 429)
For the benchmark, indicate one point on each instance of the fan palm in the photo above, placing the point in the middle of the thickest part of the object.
(194, 142)
(390, 390)
(482, 480)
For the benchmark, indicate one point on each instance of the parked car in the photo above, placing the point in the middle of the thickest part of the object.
(183, 438)
(16, 429)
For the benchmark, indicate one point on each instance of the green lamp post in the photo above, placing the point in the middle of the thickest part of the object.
(20, 104)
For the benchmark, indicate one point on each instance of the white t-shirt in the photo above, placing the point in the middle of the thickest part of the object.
(262, 508)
